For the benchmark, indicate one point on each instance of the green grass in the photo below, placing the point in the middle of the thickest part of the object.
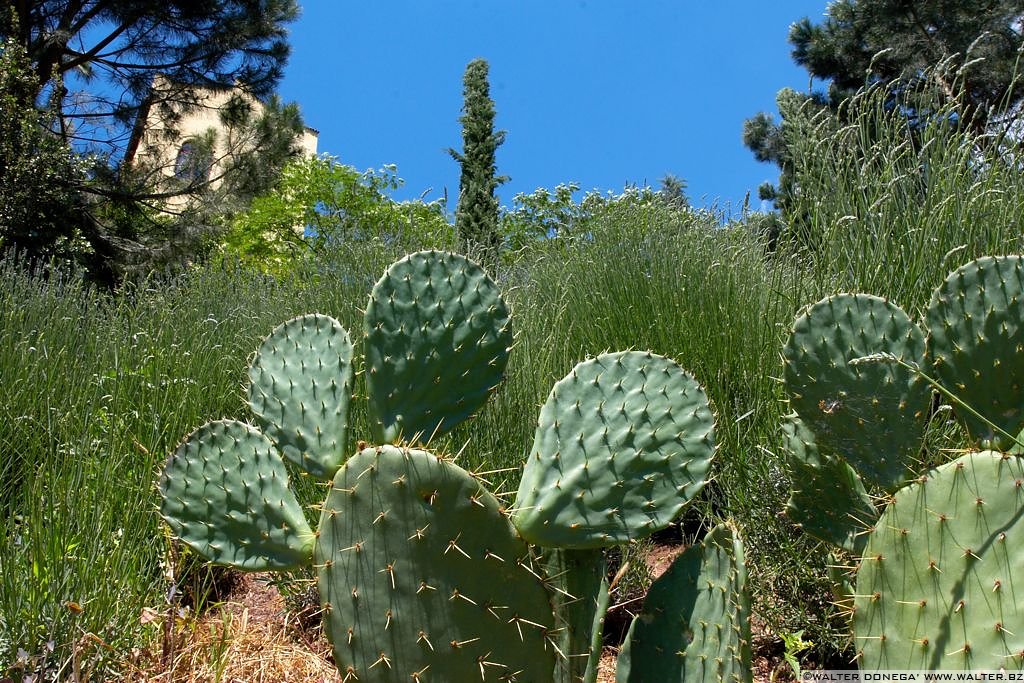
(97, 389)
(891, 210)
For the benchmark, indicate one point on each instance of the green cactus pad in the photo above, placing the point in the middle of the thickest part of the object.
(580, 592)
(936, 588)
(622, 445)
(871, 414)
(225, 494)
(421, 574)
(300, 383)
(695, 622)
(828, 499)
(437, 341)
(975, 322)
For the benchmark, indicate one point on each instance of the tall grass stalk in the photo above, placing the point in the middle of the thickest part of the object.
(890, 204)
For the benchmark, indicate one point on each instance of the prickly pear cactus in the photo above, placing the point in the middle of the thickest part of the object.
(300, 383)
(225, 494)
(870, 414)
(437, 342)
(622, 445)
(936, 588)
(695, 622)
(975, 324)
(422, 575)
(828, 500)
(579, 589)
(424, 579)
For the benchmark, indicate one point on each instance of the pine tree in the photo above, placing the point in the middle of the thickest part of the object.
(476, 216)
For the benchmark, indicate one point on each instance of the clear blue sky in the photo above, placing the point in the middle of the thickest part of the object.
(602, 92)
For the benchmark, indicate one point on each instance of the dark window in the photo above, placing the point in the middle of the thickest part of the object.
(192, 165)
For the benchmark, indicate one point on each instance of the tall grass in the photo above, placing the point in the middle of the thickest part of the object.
(891, 204)
(97, 391)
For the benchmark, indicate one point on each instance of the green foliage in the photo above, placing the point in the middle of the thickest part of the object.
(96, 72)
(969, 51)
(887, 41)
(540, 215)
(146, 365)
(476, 217)
(794, 644)
(888, 208)
(41, 208)
(319, 204)
(108, 53)
(673, 192)
(536, 218)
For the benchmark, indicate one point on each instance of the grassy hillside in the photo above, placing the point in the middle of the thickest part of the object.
(98, 389)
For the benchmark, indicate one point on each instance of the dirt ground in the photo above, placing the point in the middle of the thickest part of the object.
(252, 638)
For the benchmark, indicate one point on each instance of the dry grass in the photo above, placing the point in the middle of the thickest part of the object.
(249, 639)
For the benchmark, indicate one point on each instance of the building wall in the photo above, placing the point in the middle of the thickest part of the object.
(160, 148)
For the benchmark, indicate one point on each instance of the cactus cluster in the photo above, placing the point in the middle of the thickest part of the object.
(423, 574)
(935, 579)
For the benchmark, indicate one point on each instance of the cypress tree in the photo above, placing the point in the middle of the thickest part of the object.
(476, 216)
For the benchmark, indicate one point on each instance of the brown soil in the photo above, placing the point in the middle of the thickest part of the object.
(252, 638)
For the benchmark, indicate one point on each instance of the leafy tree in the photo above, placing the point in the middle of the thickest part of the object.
(542, 214)
(103, 65)
(968, 47)
(319, 203)
(476, 216)
(40, 207)
(546, 217)
(107, 53)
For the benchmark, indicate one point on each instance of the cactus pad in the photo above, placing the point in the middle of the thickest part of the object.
(225, 494)
(695, 622)
(622, 445)
(871, 414)
(424, 579)
(580, 592)
(437, 341)
(975, 322)
(936, 588)
(828, 499)
(300, 383)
